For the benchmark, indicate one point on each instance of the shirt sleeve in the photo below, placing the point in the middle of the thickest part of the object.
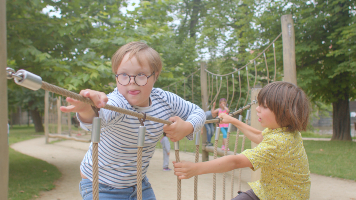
(264, 154)
(187, 111)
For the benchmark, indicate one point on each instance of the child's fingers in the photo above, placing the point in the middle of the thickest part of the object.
(66, 109)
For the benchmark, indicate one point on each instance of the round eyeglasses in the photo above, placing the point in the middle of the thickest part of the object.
(140, 79)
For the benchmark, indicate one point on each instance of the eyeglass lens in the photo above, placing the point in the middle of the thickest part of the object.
(124, 79)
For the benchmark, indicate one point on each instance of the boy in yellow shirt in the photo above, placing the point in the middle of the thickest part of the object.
(284, 111)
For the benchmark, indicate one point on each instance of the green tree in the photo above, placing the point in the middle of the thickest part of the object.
(325, 51)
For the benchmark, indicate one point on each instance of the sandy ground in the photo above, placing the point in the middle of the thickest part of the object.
(67, 155)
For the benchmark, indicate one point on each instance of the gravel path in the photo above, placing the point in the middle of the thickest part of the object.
(67, 155)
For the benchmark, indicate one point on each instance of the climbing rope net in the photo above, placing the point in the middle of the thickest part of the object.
(34, 82)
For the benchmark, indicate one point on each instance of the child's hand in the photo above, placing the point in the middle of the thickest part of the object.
(225, 118)
(84, 110)
(184, 169)
(178, 130)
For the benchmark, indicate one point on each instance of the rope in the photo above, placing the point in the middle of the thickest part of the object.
(238, 101)
(179, 189)
(248, 86)
(212, 89)
(250, 61)
(225, 153)
(196, 177)
(192, 88)
(242, 149)
(227, 89)
(233, 90)
(218, 91)
(254, 84)
(182, 79)
(275, 63)
(266, 67)
(95, 172)
(139, 173)
(233, 171)
(214, 175)
(64, 92)
(217, 120)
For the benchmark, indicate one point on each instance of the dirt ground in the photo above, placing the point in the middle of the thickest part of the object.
(67, 155)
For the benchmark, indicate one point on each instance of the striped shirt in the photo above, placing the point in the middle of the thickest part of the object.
(119, 135)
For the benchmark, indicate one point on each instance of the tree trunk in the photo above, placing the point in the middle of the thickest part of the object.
(37, 120)
(341, 119)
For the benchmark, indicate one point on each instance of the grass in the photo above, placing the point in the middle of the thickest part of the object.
(332, 158)
(27, 175)
(328, 158)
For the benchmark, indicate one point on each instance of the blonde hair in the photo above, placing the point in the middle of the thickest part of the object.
(142, 52)
(289, 104)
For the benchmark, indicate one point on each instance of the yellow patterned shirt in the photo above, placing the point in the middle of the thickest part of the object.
(284, 166)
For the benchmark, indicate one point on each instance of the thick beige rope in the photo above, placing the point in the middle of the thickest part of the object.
(225, 153)
(64, 92)
(95, 172)
(179, 188)
(232, 114)
(238, 101)
(264, 54)
(196, 177)
(214, 175)
(242, 149)
(139, 173)
(233, 171)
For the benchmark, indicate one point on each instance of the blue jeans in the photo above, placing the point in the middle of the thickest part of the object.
(107, 192)
(209, 131)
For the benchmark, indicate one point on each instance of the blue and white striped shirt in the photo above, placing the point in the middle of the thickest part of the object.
(119, 135)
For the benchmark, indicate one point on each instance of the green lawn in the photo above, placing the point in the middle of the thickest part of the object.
(27, 175)
(329, 158)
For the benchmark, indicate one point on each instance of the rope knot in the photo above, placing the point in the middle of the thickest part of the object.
(143, 119)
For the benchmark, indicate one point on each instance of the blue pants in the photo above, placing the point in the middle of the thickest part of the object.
(107, 192)
(224, 131)
(209, 131)
(165, 159)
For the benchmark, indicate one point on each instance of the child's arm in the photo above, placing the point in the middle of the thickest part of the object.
(251, 133)
(178, 130)
(185, 170)
(214, 112)
(84, 110)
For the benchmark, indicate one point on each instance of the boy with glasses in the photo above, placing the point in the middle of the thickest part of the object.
(137, 67)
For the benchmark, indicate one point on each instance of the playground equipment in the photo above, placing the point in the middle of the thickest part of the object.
(35, 82)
